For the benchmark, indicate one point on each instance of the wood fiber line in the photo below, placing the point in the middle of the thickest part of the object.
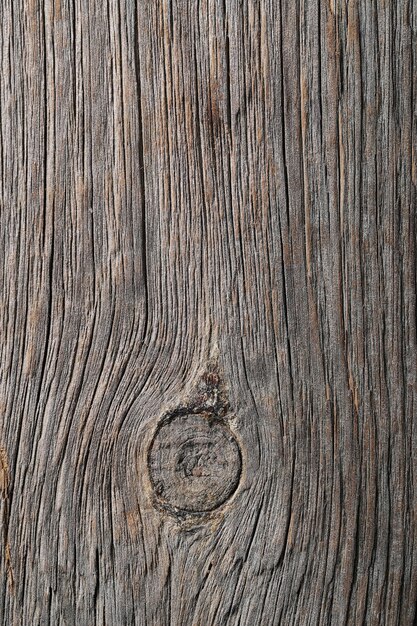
(208, 225)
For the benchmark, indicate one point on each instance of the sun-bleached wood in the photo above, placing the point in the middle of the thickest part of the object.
(208, 208)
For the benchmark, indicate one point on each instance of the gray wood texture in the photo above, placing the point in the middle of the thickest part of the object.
(208, 232)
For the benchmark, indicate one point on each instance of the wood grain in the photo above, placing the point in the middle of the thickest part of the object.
(208, 203)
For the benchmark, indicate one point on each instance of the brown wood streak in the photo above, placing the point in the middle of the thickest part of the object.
(4, 495)
(208, 209)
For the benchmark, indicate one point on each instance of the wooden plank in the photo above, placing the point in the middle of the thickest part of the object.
(208, 312)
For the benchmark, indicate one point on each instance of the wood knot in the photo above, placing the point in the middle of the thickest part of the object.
(194, 463)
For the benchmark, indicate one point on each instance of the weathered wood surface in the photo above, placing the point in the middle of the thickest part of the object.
(208, 208)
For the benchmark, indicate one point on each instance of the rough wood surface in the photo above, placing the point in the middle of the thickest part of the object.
(208, 209)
